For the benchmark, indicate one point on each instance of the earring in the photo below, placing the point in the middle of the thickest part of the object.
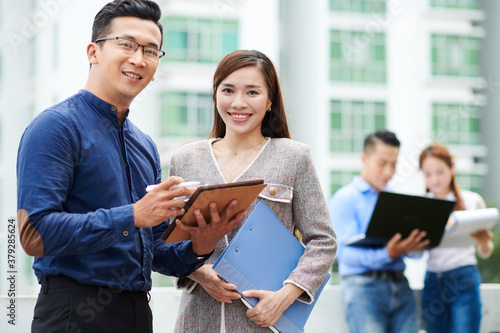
(269, 110)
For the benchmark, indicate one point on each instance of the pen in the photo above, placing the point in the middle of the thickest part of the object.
(185, 184)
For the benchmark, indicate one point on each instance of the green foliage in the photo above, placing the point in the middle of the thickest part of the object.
(489, 268)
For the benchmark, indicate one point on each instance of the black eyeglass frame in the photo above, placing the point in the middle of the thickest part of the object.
(161, 52)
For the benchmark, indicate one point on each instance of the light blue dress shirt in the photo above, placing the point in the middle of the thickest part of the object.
(351, 208)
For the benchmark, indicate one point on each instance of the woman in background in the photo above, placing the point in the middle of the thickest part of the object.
(451, 300)
(249, 141)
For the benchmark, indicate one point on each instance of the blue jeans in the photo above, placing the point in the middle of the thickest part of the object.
(377, 305)
(451, 301)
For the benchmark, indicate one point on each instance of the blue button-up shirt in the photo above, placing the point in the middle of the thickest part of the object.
(79, 173)
(351, 208)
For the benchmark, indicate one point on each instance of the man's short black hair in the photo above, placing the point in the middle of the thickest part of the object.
(385, 136)
(143, 9)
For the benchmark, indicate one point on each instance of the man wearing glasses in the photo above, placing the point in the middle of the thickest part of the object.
(83, 211)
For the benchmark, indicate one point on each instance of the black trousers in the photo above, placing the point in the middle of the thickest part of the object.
(64, 305)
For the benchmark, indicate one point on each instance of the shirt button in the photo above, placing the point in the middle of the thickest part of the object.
(113, 109)
(125, 233)
(273, 191)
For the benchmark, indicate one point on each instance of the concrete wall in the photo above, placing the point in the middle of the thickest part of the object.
(327, 317)
(490, 53)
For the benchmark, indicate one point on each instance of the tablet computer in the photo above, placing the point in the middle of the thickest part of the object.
(402, 213)
(465, 223)
(222, 194)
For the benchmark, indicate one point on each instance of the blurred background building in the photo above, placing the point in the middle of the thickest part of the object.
(426, 69)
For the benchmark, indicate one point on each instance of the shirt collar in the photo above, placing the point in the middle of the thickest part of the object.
(363, 186)
(103, 107)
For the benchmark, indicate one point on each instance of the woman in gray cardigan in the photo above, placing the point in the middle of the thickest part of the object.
(250, 140)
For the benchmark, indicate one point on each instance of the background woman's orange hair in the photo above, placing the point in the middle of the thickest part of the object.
(440, 151)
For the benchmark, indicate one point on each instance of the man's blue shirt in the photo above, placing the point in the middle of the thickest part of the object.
(79, 173)
(351, 208)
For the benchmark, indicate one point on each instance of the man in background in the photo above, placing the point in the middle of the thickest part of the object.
(376, 294)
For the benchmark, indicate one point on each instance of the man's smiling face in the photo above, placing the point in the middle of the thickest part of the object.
(121, 76)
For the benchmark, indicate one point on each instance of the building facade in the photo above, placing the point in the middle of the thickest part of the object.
(412, 67)
(347, 68)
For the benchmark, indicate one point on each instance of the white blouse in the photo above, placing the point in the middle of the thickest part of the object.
(442, 260)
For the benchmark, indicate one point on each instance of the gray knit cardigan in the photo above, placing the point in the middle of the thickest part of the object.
(286, 166)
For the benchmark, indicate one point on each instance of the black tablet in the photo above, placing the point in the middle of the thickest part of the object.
(402, 213)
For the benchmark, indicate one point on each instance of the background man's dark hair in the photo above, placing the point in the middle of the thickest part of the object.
(387, 137)
(143, 9)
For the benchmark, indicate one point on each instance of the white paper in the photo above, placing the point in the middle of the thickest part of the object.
(467, 222)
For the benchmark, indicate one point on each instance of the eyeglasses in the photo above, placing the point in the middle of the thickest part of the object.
(130, 47)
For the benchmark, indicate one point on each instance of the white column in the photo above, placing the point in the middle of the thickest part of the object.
(259, 27)
(304, 76)
(408, 108)
(408, 65)
(490, 55)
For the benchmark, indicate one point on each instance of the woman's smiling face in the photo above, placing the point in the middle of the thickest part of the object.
(438, 176)
(243, 100)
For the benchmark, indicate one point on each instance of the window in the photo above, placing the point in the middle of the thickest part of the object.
(186, 114)
(360, 6)
(454, 4)
(199, 40)
(470, 182)
(455, 56)
(357, 56)
(339, 179)
(456, 124)
(351, 121)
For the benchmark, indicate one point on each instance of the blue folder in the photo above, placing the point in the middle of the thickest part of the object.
(261, 257)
